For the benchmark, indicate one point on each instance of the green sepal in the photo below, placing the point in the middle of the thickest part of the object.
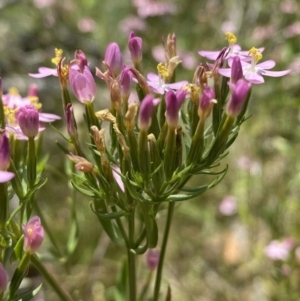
(150, 224)
(140, 249)
(82, 190)
(18, 250)
(108, 216)
(27, 295)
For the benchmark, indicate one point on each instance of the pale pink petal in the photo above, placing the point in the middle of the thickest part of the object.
(47, 117)
(254, 78)
(153, 77)
(266, 65)
(44, 72)
(225, 72)
(6, 176)
(176, 86)
(211, 55)
(276, 73)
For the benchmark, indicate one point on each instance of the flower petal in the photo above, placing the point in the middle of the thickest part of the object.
(225, 72)
(211, 55)
(6, 176)
(254, 78)
(266, 65)
(276, 73)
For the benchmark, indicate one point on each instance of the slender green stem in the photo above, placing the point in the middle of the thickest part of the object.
(163, 251)
(131, 259)
(49, 278)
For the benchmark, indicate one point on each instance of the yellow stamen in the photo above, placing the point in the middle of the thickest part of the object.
(58, 56)
(162, 70)
(34, 100)
(10, 115)
(13, 91)
(256, 54)
(231, 38)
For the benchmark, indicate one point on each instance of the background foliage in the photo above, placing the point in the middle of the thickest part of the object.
(211, 256)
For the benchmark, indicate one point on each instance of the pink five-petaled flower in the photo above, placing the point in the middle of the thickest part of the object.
(239, 92)
(253, 72)
(146, 110)
(157, 84)
(3, 279)
(83, 84)
(173, 104)
(33, 235)
(28, 119)
(5, 175)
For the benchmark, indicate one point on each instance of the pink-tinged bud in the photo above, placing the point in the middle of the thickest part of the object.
(239, 93)
(3, 279)
(152, 258)
(236, 69)
(135, 47)
(33, 235)
(173, 104)
(146, 110)
(125, 82)
(33, 90)
(115, 95)
(83, 84)
(113, 58)
(71, 124)
(81, 60)
(206, 102)
(4, 152)
(28, 119)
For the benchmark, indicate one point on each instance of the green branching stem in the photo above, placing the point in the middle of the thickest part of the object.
(163, 251)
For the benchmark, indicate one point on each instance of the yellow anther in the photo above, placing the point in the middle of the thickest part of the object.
(10, 115)
(58, 56)
(231, 38)
(13, 91)
(256, 54)
(162, 70)
(34, 100)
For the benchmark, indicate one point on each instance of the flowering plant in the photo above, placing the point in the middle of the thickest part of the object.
(169, 132)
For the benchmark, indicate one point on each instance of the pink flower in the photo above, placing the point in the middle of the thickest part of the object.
(28, 120)
(33, 235)
(152, 259)
(146, 110)
(253, 72)
(157, 84)
(83, 84)
(279, 250)
(173, 104)
(228, 205)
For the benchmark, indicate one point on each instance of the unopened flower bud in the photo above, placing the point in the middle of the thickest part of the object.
(115, 95)
(4, 152)
(33, 235)
(152, 258)
(236, 69)
(28, 119)
(240, 91)
(83, 84)
(113, 57)
(173, 104)
(135, 47)
(125, 82)
(206, 102)
(81, 163)
(145, 114)
(3, 279)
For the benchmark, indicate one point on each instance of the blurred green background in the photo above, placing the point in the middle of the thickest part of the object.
(213, 254)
